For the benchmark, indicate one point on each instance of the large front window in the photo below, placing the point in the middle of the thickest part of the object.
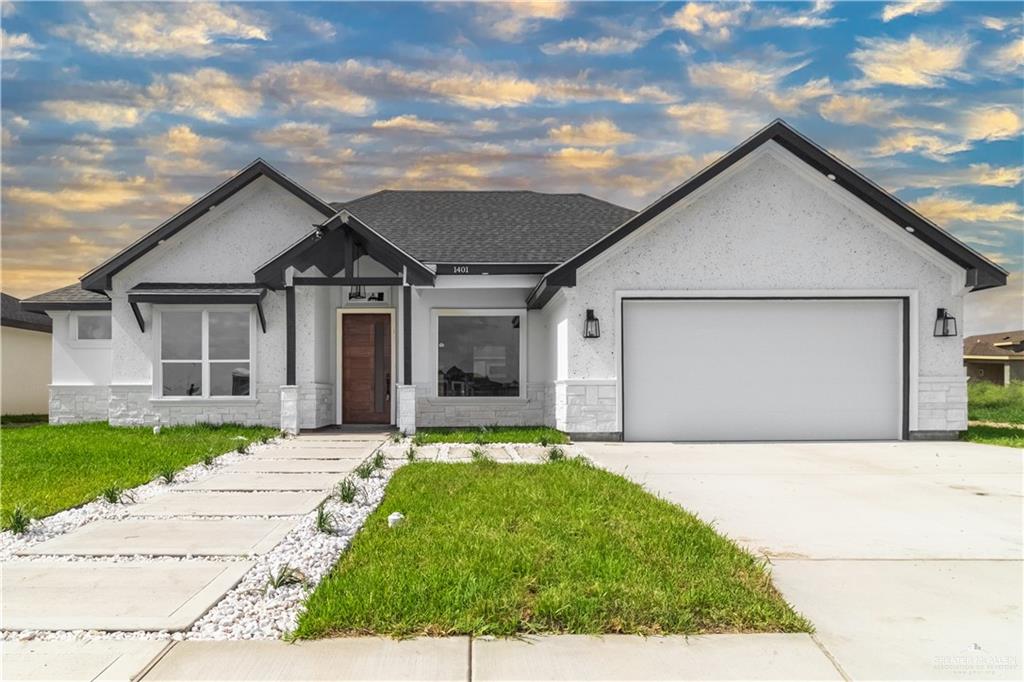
(205, 353)
(479, 355)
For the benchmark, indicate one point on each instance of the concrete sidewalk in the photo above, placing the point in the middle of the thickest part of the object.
(559, 657)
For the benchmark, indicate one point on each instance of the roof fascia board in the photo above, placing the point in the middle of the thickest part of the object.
(99, 278)
(43, 306)
(988, 274)
(27, 326)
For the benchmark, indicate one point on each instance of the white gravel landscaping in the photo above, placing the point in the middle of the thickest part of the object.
(253, 609)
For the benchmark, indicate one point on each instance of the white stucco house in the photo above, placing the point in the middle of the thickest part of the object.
(775, 295)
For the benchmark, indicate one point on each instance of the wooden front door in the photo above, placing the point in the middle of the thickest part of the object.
(365, 368)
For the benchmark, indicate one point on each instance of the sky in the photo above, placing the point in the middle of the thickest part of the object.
(117, 115)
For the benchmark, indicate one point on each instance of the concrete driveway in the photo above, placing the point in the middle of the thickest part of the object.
(905, 556)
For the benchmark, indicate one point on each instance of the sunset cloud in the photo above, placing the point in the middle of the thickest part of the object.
(708, 19)
(749, 81)
(295, 134)
(943, 208)
(710, 118)
(597, 133)
(585, 159)
(411, 122)
(104, 115)
(931, 146)
(597, 46)
(912, 63)
(165, 30)
(510, 21)
(17, 46)
(857, 109)
(895, 10)
(208, 94)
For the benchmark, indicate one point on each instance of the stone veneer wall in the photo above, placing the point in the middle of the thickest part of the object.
(73, 404)
(432, 411)
(941, 404)
(585, 406)
(131, 405)
(316, 405)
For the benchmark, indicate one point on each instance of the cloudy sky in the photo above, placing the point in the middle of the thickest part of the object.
(116, 115)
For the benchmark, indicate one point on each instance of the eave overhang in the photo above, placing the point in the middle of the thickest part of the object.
(981, 273)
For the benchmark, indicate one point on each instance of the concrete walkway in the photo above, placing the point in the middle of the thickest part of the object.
(200, 522)
(905, 556)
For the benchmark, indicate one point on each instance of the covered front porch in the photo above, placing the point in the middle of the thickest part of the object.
(349, 333)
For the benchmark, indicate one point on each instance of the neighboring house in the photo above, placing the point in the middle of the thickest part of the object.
(996, 358)
(24, 359)
(716, 313)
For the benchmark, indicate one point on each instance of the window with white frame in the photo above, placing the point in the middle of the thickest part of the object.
(480, 353)
(205, 353)
(91, 326)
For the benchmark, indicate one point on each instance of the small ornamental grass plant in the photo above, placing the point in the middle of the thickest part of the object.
(346, 491)
(17, 520)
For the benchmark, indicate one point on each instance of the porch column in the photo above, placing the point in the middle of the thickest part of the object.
(405, 414)
(290, 392)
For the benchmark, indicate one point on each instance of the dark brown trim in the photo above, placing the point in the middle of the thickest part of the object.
(263, 317)
(289, 298)
(378, 246)
(407, 335)
(142, 286)
(346, 281)
(27, 326)
(138, 315)
(43, 306)
(905, 315)
(982, 273)
(185, 299)
(99, 278)
(493, 268)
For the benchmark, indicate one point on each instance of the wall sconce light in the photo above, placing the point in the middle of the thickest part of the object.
(592, 327)
(945, 324)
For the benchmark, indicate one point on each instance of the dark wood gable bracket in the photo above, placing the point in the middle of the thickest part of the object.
(177, 293)
(981, 272)
(99, 279)
(333, 247)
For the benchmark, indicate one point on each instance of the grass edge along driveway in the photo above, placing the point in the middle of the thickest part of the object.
(48, 468)
(500, 549)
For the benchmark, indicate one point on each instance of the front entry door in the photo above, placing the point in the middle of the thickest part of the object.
(365, 368)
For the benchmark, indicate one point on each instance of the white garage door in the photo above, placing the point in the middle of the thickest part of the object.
(748, 370)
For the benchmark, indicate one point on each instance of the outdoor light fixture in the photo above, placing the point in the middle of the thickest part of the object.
(945, 324)
(592, 328)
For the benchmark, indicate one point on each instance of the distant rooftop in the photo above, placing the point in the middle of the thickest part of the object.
(11, 315)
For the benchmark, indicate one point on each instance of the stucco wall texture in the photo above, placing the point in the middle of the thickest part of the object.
(770, 225)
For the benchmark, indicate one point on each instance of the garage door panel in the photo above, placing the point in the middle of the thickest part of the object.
(762, 369)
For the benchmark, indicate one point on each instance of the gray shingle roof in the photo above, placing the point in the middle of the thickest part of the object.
(11, 315)
(487, 227)
(71, 294)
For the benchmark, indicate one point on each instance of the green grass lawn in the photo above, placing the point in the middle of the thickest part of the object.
(1000, 405)
(991, 403)
(491, 434)
(499, 549)
(46, 469)
(1012, 436)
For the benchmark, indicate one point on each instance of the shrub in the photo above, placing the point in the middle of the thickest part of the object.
(555, 454)
(209, 459)
(396, 436)
(419, 438)
(478, 454)
(378, 460)
(166, 475)
(410, 453)
(115, 494)
(242, 448)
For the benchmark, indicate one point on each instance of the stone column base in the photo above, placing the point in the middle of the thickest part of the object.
(290, 409)
(405, 414)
